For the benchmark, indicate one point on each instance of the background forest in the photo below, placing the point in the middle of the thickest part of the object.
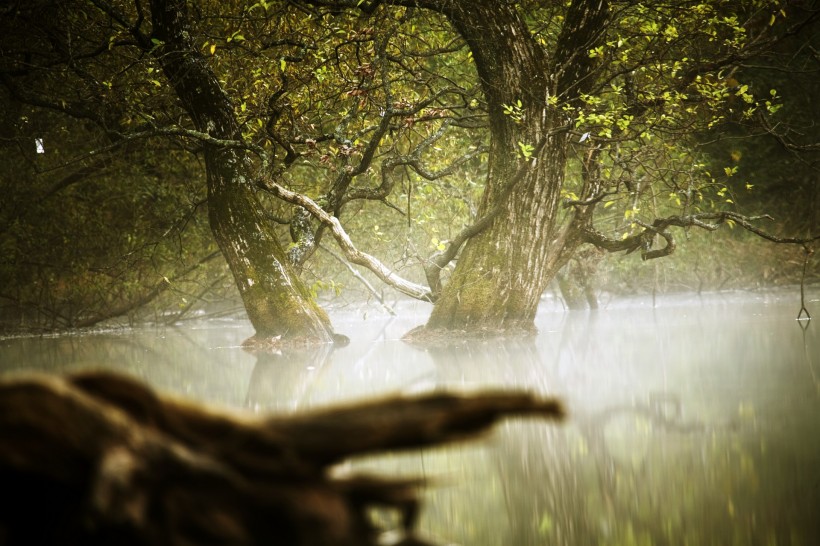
(104, 209)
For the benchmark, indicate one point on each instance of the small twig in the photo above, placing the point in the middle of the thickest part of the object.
(586, 202)
(803, 309)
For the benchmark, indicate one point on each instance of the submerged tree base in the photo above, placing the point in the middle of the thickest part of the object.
(426, 336)
(272, 343)
(97, 458)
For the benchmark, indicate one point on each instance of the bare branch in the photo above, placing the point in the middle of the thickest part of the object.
(786, 142)
(356, 256)
(161, 286)
(359, 277)
(70, 179)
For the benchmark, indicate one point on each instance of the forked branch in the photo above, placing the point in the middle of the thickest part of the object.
(709, 221)
(353, 254)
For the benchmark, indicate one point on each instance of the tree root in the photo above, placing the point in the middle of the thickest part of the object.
(97, 458)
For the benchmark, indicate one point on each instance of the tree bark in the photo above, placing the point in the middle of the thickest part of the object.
(502, 272)
(277, 302)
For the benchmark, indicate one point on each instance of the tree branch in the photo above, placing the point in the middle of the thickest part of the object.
(384, 273)
(439, 260)
(361, 279)
(160, 287)
(709, 221)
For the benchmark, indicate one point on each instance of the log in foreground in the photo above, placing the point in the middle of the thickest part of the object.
(97, 458)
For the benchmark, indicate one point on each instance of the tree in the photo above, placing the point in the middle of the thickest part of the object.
(566, 124)
(276, 300)
(84, 241)
(613, 93)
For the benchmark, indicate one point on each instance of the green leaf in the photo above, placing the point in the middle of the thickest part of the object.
(525, 150)
(546, 525)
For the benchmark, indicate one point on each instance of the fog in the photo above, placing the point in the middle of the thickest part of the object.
(694, 420)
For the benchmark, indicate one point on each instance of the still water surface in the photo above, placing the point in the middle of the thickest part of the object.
(696, 421)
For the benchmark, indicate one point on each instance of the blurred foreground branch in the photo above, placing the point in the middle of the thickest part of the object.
(97, 458)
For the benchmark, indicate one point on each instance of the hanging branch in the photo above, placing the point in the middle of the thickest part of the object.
(803, 309)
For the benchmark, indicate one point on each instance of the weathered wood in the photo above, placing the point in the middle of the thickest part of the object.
(97, 458)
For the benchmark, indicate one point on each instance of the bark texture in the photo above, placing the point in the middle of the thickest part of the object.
(277, 302)
(97, 458)
(502, 272)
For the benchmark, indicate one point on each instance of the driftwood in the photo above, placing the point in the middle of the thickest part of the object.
(97, 458)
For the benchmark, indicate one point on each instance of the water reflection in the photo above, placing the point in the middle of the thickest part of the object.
(291, 371)
(199, 360)
(695, 422)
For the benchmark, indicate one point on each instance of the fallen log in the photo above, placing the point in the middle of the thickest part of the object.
(97, 458)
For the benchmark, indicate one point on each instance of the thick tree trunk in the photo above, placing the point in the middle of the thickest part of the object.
(277, 302)
(502, 272)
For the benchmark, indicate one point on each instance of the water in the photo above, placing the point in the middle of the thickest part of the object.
(694, 422)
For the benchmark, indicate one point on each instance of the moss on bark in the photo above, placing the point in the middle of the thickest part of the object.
(277, 302)
(502, 272)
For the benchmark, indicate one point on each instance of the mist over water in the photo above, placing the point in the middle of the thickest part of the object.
(696, 421)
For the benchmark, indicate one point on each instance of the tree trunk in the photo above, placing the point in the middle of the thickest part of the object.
(277, 302)
(502, 272)
(499, 278)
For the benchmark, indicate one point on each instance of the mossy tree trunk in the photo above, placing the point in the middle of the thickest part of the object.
(499, 278)
(502, 272)
(277, 302)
